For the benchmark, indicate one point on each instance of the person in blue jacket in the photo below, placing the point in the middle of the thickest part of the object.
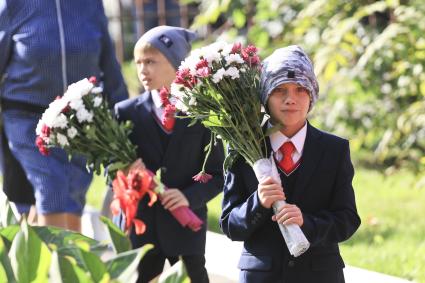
(316, 175)
(46, 46)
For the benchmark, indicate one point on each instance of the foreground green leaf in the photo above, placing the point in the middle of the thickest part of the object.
(6, 272)
(175, 274)
(120, 241)
(29, 256)
(123, 267)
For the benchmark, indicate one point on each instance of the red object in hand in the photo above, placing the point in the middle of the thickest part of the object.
(128, 191)
(131, 188)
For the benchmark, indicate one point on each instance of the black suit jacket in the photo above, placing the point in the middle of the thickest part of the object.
(180, 160)
(324, 193)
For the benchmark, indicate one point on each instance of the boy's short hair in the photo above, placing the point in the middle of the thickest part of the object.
(145, 47)
(288, 65)
(172, 42)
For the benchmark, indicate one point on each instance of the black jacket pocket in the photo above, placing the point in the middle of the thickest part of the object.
(327, 261)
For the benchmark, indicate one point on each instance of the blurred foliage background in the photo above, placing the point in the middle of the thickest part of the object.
(369, 57)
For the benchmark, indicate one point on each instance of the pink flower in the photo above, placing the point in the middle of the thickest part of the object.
(183, 77)
(164, 95)
(66, 109)
(45, 130)
(236, 48)
(93, 80)
(41, 146)
(249, 55)
(203, 72)
(202, 177)
(201, 64)
(168, 119)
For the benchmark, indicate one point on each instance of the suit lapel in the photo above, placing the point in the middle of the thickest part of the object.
(148, 125)
(174, 142)
(313, 151)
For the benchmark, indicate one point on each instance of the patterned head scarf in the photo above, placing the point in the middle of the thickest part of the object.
(288, 65)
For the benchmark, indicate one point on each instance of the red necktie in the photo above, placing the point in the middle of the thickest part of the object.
(286, 163)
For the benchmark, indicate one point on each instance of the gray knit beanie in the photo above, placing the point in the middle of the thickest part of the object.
(172, 42)
(288, 65)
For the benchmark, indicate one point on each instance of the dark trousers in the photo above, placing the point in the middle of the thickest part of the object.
(152, 265)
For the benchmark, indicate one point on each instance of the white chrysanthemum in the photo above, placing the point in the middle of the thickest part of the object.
(72, 132)
(84, 116)
(212, 57)
(227, 49)
(97, 101)
(218, 76)
(62, 140)
(233, 58)
(176, 90)
(79, 89)
(232, 72)
(219, 47)
(97, 90)
(50, 115)
(181, 106)
(60, 122)
(39, 127)
(76, 104)
(192, 101)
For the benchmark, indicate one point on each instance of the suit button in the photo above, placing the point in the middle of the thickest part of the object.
(291, 263)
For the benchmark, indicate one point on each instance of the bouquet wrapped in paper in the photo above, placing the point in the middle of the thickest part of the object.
(218, 85)
(81, 122)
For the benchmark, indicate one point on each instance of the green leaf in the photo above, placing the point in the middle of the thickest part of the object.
(230, 159)
(7, 217)
(29, 256)
(117, 166)
(62, 238)
(95, 267)
(6, 271)
(175, 274)
(120, 241)
(54, 271)
(239, 18)
(123, 267)
(8, 234)
(70, 271)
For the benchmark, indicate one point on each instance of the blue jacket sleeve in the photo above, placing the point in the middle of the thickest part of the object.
(114, 85)
(242, 212)
(5, 38)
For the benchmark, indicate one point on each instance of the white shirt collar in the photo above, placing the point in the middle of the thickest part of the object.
(277, 139)
(156, 99)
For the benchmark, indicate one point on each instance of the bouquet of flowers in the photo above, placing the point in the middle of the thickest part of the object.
(81, 122)
(218, 85)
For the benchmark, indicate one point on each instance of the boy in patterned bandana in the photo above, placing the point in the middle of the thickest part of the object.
(316, 175)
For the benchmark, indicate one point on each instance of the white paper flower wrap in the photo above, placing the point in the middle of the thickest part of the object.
(295, 239)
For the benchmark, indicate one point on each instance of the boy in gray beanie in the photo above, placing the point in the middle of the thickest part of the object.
(316, 175)
(168, 144)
